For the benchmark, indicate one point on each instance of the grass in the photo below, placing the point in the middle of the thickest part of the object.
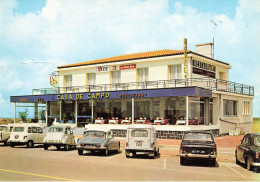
(256, 125)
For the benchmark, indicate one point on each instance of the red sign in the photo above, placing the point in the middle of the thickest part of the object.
(125, 67)
(113, 68)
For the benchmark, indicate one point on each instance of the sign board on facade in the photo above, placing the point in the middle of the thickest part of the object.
(100, 69)
(204, 69)
(54, 80)
(113, 68)
(185, 69)
(125, 67)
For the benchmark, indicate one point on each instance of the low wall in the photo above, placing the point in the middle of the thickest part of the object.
(226, 126)
(162, 131)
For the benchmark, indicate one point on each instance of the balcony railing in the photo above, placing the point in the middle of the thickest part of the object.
(209, 83)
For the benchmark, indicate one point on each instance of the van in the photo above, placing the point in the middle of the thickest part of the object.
(141, 139)
(26, 134)
(5, 131)
(59, 136)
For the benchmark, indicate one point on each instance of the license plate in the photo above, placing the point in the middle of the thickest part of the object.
(138, 143)
(198, 151)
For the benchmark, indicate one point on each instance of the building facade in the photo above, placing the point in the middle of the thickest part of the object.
(171, 84)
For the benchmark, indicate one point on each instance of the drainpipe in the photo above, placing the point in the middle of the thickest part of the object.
(187, 111)
(133, 110)
(14, 112)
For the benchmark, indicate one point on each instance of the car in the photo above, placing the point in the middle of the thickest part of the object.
(59, 136)
(98, 140)
(26, 134)
(141, 139)
(198, 145)
(248, 151)
(4, 133)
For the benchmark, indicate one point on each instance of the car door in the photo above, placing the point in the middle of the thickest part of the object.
(242, 148)
(67, 135)
(110, 144)
(40, 135)
(33, 135)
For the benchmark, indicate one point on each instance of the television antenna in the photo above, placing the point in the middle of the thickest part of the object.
(215, 26)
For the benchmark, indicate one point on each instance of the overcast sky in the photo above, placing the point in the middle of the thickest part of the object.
(36, 36)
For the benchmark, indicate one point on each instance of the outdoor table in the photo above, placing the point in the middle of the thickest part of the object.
(125, 121)
(112, 121)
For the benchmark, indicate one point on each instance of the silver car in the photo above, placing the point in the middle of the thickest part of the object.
(141, 139)
(4, 134)
(26, 134)
(59, 136)
(98, 140)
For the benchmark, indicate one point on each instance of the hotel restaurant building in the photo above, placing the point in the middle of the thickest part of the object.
(191, 90)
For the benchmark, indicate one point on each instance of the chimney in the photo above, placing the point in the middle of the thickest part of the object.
(205, 49)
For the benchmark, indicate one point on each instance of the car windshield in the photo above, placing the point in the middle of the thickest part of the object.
(198, 137)
(95, 134)
(257, 140)
(18, 129)
(3, 128)
(55, 129)
(139, 133)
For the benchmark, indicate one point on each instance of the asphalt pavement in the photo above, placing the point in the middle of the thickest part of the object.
(36, 164)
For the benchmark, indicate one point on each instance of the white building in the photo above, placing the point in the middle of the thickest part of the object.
(149, 85)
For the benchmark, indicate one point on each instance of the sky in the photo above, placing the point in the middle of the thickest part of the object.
(37, 36)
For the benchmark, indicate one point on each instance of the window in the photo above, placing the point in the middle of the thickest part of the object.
(91, 79)
(68, 80)
(29, 130)
(142, 74)
(221, 75)
(34, 129)
(39, 130)
(246, 108)
(246, 140)
(116, 76)
(18, 129)
(230, 108)
(139, 133)
(3, 128)
(175, 71)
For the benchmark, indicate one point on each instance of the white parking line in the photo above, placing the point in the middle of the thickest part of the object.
(235, 171)
(185, 170)
(164, 164)
(110, 158)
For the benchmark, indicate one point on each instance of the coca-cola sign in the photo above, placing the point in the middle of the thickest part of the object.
(125, 67)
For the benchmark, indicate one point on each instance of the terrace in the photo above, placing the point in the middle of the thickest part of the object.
(208, 83)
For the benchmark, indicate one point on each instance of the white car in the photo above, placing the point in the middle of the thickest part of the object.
(4, 133)
(59, 136)
(141, 139)
(26, 134)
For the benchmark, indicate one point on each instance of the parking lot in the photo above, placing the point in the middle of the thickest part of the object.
(36, 164)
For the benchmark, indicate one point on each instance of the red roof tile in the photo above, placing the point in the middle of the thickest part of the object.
(142, 55)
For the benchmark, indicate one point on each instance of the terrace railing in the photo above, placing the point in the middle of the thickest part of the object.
(209, 83)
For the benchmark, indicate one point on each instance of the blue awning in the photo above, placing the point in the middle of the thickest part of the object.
(146, 93)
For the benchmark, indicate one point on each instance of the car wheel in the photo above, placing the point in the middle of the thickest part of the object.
(58, 147)
(153, 154)
(30, 144)
(45, 147)
(237, 161)
(67, 147)
(118, 150)
(157, 152)
(182, 161)
(80, 152)
(12, 145)
(127, 155)
(248, 163)
(213, 162)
